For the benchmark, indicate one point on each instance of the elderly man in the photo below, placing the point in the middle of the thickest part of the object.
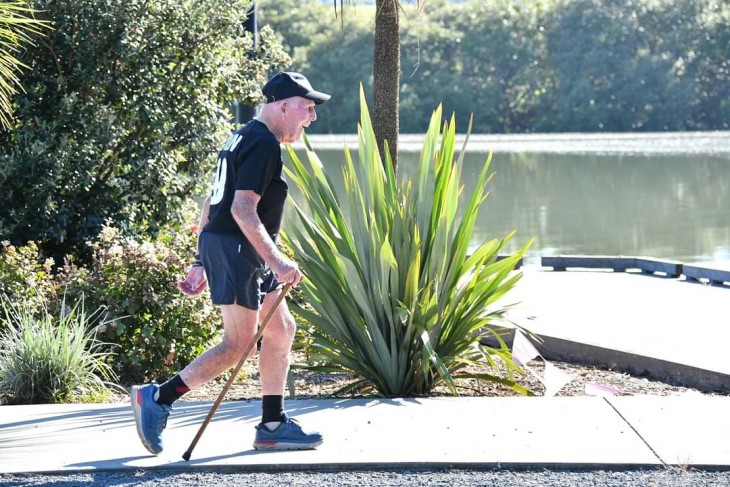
(240, 262)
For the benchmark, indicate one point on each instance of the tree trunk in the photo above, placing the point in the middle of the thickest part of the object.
(386, 77)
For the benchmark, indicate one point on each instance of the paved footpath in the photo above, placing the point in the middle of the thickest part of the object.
(467, 432)
(473, 432)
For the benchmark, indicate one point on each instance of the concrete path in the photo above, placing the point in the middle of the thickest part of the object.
(665, 320)
(468, 432)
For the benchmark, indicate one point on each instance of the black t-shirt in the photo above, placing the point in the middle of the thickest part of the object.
(250, 160)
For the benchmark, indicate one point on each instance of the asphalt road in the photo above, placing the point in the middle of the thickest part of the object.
(666, 477)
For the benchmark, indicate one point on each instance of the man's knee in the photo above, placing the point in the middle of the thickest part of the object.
(238, 330)
(282, 329)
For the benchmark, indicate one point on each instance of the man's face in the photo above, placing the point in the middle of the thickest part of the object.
(298, 114)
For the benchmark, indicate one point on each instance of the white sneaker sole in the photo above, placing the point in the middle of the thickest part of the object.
(282, 446)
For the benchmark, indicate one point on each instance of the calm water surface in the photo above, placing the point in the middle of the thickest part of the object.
(657, 195)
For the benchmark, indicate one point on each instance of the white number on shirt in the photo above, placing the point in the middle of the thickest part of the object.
(219, 185)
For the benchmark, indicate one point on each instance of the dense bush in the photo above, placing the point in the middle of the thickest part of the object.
(156, 330)
(123, 115)
(532, 66)
(26, 277)
(152, 329)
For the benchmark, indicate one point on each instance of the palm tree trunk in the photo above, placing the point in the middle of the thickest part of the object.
(386, 77)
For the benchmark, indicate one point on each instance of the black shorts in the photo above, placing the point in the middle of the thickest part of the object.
(235, 271)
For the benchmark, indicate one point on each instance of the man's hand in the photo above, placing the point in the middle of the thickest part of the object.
(287, 271)
(194, 283)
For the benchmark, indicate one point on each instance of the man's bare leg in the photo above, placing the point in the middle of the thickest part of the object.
(277, 432)
(276, 346)
(239, 328)
(151, 404)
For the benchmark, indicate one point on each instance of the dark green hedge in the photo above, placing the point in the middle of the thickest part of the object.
(122, 115)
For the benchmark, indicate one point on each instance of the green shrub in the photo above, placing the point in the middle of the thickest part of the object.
(26, 277)
(48, 358)
(122, 115)
(398, 296)
(156, 328)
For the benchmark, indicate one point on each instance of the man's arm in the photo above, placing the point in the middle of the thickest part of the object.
(243, 209)
(195, 282)
(203, 221)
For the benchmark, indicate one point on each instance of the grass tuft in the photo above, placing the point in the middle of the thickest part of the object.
(52, 359)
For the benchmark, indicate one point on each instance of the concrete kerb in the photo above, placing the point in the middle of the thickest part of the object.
(562, 350)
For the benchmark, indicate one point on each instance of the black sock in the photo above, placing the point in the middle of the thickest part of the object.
(273, 409)
(172, 390)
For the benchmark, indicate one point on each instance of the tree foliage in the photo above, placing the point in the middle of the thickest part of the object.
(535, 66)
(336, 52)
(123, 112)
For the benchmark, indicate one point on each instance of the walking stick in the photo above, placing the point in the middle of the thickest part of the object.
(186, 455)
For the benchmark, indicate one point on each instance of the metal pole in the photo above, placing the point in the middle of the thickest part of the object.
(244, 112)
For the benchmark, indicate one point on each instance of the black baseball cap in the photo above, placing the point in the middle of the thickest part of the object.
(288, 84)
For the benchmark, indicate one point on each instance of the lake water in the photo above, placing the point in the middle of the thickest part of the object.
(657, 195)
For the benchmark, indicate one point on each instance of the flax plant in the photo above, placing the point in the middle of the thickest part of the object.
(396, 295)
(50, 359)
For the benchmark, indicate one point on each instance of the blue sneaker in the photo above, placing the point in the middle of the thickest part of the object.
(288, 436)
(151, 418)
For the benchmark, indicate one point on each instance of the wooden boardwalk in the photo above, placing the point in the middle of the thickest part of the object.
(646, 265)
